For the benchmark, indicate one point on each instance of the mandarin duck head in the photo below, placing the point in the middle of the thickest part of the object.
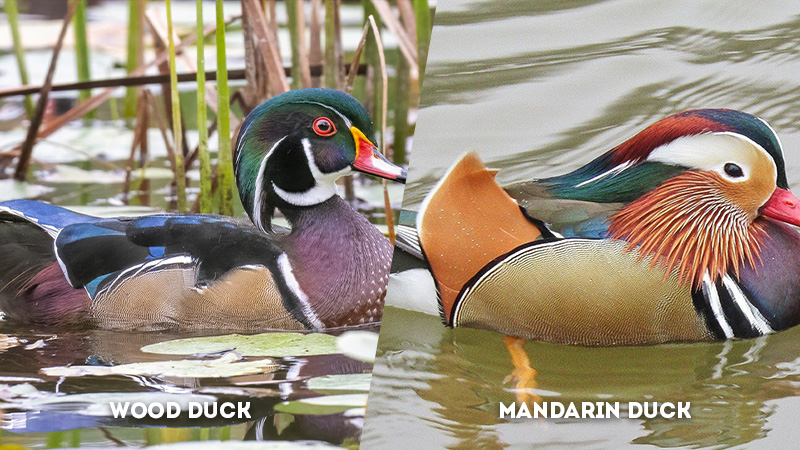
(695, 190)
(293, 147)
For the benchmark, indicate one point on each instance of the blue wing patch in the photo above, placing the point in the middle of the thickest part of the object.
(48, 217)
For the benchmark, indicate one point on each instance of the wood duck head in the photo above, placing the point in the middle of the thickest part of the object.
(293, 147)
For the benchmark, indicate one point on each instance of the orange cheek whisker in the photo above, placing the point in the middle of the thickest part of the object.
(688, 226)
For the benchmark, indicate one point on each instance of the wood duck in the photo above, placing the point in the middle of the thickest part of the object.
(681, 233)
(208, 271)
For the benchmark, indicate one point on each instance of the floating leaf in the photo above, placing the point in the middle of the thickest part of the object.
(225, 366)
(340, 384)
(360, 345)
(266, 344)
(331, 404)
(71, 174)
(13, 189)
(12, 392)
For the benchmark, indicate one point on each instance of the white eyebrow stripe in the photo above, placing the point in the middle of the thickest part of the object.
(345, 119)
(777, 138)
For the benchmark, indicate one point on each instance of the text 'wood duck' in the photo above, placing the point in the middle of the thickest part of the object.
(681, 233)
(206, 271)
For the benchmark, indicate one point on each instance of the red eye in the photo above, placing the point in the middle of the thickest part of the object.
(324, 127)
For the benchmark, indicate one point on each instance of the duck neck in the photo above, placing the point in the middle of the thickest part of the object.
(339, 260)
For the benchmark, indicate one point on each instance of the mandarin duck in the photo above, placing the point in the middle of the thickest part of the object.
(681, 233)
(206, 271)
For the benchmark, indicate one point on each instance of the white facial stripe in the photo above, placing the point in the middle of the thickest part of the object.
(718, 149)
(286, 270)
(345, 119)
(259, 192)
(324, 187)
(315, 172)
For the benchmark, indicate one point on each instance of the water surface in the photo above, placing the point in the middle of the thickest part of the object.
(538, 89)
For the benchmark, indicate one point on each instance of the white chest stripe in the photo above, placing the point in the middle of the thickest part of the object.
(710, 291)
(753, 315)
(286, 270)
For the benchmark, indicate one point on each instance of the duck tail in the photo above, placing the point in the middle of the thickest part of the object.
(33, 288)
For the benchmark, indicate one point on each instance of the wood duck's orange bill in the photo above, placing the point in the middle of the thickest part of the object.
(783, 206)
(370, 160)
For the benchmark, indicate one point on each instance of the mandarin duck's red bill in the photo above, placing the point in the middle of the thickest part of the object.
(680, 233)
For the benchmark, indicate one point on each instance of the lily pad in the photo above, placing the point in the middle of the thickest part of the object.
(266, 344)
(340, 384)
(360, 345)
(13, 189)
(70, 174)
(225, 366)
(16, 391)
(330, 404)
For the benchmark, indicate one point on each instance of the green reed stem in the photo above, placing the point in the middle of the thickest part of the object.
(180, 172)
(373, 60)
(19, 51)
(330, 70)
(202, 119)
(224, 164)
(294, 35)
(401, 105)
(134, 52)
(82, 52)
(422, 11)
